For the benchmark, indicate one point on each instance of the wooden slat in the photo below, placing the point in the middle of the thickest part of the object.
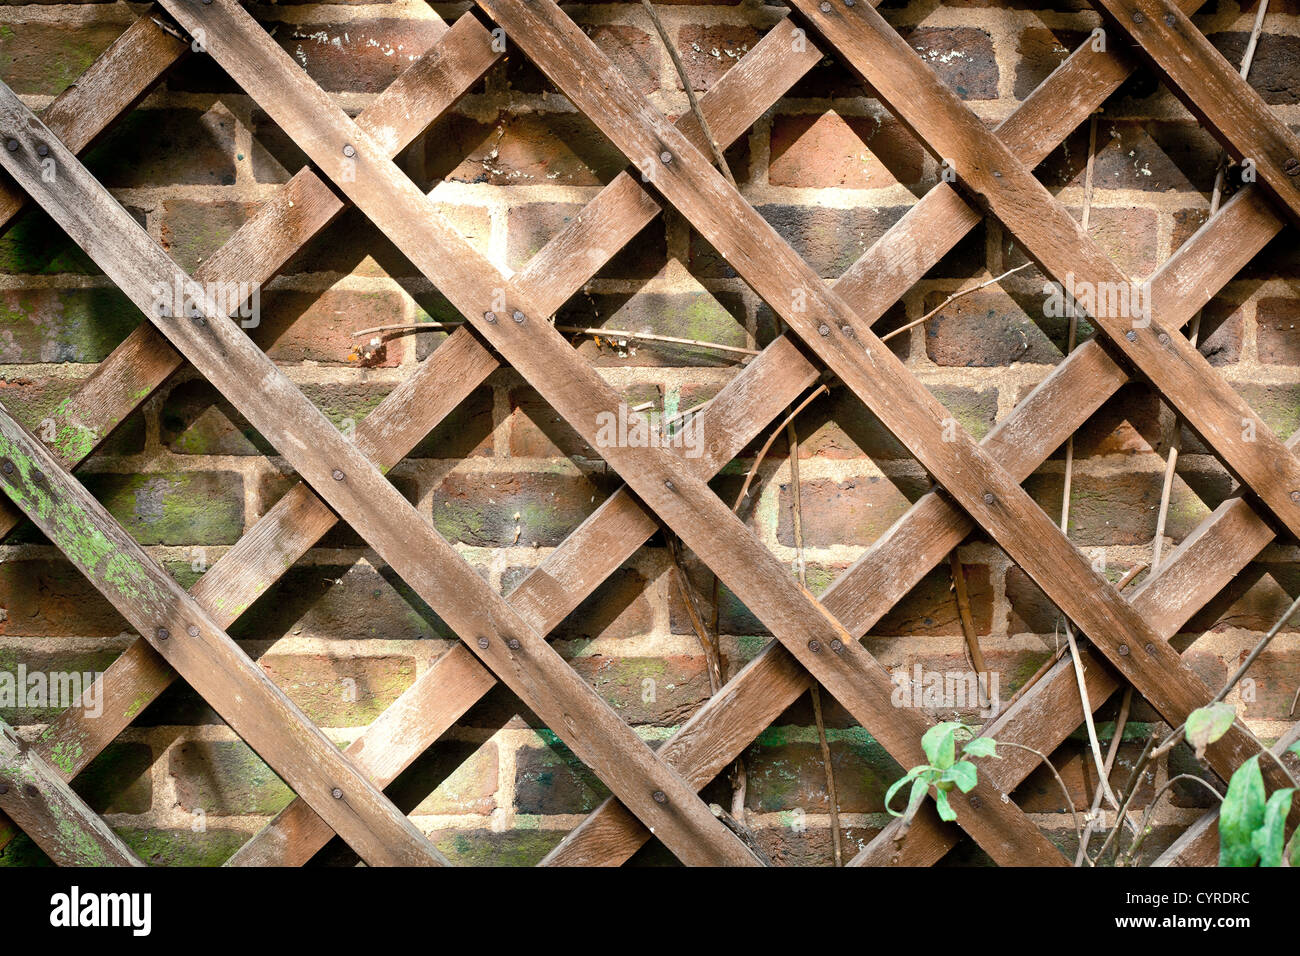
(57, 820)
(572, 387)
(932, 527)
(829, 327)
(282, 225)
(460, 364)
(1216, 92)
(360, 493)
(118, 78)
(185, 634)
(1049, 234)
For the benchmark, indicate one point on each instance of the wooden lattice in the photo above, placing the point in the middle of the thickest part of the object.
(977, 485)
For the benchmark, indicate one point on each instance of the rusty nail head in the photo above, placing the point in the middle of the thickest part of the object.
(162, 633)
(337, 475)
(1131, 335)
(825, 8)
(1150, 648)
(1139, 17)
(513, 643)
(518, 316)
(988, 497)
(1171, 19)
(837, 645)
(1292, 167)
(814, 645)
(1163, 338)
(668, 483)
(976, 802)
(336, 793)
(192, 630)
(659, 796)
(42, 150)
(7, 467)
(490, 318)
(847, 330)
(1295, 496)
(665, 157)
(483, 643)
(38, 477)
(349, 150)
(1123, 650)
(11, 144)
(823, 329)
(848, 3)
(207, 1)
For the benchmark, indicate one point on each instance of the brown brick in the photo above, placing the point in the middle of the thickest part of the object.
(700, 316)
(318, 326)
(989, 328)
(341, 692)
(479, 509)
(619, 608)
(361, 56)
(710, 51)
(532, 225)
(655, 691)
(64, 325)
(451, 777)
(962, 56)
(853, 512)
(194, 230)
(1042, 51)
(784, 774)
(930, 608)
(1279, 339)
(45, 597)
(1119, 509)
(1274, 68)
(552, 149)
(174, 508)
(43, 57)
(165, 147)
(856, 152)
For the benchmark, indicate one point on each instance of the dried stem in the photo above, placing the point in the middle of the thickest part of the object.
(571, 330)
(948, 301)
(687, 85)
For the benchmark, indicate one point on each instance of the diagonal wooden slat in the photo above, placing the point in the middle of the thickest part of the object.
(573, 388)
(149, 598)
(461, 363)
(360, 493)
(1049, 234)
(47, 809)
(829, 327)
(1215, 91)
(282, 225)
(932, 527)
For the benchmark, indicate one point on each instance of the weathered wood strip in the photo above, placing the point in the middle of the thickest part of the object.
(151, 600)
(360, 493)
(1214, 89)
(415, 408)
(829, 327)
(925, 535)
(984, 165)
(282, 225)
(573, 388)
(118, 78)
(48, 811)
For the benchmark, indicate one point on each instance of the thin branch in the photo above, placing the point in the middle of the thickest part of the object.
(1074, 813)
(1146, 817)
(968, 629)
(948, 301)
(762, 452)
(680, 67)
(1116, 738)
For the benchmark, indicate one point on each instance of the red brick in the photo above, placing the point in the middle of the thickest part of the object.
(318, 326)
(856, 152)
(44, 57)
(700, 316)
(552, 149)
(51, 598)
(361, 56)
(963, 58)
(1279, 339)
(321, 684)
(675, 684)
(532, 225)
(853, 512)
(479, 509)
(166, 147)
(619, 608)
(709, 51)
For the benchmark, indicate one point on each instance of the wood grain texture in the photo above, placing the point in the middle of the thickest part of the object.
(829, 327)
(925, 535)
(573, 388)
(153, 603)
(1214, 89)
(58, 821)
(360, 493)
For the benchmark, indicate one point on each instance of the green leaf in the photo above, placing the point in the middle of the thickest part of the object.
(1241, 815)
(1205, 725)
(962, 773)
(1269, 839)
(981, 747)
(898, 785)
(946, 812)
(920, 787)
(940, 744)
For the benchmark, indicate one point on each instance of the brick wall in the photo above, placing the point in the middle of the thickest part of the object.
(505, 480)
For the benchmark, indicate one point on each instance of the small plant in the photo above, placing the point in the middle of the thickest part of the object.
(1252, 826)
(944, 771)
